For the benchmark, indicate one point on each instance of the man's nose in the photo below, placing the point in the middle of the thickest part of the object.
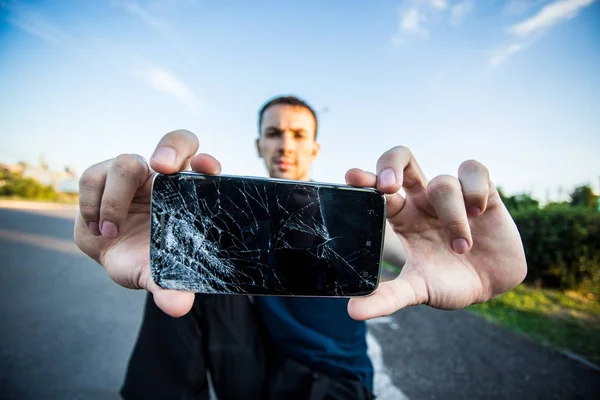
(287, 142)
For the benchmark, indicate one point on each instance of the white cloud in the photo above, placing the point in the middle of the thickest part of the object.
(160, 6)
(530, 30)
(416, 18)
(439, 4)
(499, 56)
(411, 22)
(459, 11)
(166, 82)
(147, 17)
(548, 16)
(35, 23)
(519, 7)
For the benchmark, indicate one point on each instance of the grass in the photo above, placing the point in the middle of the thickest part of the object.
(567, 320)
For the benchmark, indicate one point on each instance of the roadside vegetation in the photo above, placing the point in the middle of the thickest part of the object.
(564, 319)
(559, 303)
(14, 186)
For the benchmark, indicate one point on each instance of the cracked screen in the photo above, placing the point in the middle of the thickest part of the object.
(233, 235)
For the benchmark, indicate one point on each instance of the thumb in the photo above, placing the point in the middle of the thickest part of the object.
(172, 302)
(174, 152)
(389, 297)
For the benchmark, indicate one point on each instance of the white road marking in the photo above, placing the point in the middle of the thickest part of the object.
(383, 385)
(384, 321)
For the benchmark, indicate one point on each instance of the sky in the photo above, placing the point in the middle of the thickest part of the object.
(513, 84)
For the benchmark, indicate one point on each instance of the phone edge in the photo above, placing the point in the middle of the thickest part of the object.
(286, 181)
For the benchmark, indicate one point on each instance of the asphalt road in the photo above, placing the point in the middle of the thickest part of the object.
(66, 329)
(66, 332)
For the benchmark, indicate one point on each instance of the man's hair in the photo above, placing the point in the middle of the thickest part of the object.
(288, 101)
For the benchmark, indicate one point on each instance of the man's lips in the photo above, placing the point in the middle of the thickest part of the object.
(284, 164)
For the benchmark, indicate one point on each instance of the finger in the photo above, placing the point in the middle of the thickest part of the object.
(174, 152)
(91, 187)
(206, 164)
(389, 297)
(445, 195)
(359, 178)
(474, 179)
(126, 175)
(397, 168)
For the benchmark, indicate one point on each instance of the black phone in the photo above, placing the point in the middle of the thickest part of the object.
(260, 236)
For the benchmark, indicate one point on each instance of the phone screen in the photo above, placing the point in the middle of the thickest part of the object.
(246, 235)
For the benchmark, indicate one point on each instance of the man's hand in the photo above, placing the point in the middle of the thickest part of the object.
(113, 224)
(462, 244)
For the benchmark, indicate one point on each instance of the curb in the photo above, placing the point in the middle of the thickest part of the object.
(580, 359)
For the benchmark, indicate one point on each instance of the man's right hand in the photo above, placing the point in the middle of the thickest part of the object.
(113, 224)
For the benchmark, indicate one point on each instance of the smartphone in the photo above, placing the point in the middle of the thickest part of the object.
(260, 236)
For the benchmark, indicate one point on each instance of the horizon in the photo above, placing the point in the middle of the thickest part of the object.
(511, 83)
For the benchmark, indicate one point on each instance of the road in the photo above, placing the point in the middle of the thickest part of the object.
(67, 331)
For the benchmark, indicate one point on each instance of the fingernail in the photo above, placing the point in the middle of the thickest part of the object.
(109, 230)
(387, 178)
(93, 227)
(460, 246)
(165, 155)
(474, 211)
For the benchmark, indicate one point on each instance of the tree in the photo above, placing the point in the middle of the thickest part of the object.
(518, 202)
(583, 196)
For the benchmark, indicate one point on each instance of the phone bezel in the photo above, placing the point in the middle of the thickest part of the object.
(198, 175)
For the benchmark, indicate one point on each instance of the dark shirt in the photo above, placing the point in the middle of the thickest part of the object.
(319, 333)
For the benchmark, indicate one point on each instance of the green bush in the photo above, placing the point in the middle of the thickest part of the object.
(27, 188)
(562, 245)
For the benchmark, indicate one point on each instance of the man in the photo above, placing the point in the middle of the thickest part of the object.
(455, 239)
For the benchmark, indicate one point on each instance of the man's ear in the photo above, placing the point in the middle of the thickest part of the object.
(258, 148)
(316, 149)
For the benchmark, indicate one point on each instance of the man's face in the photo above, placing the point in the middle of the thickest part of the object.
(287, 142)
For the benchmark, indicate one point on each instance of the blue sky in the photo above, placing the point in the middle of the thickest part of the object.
(513, 84)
